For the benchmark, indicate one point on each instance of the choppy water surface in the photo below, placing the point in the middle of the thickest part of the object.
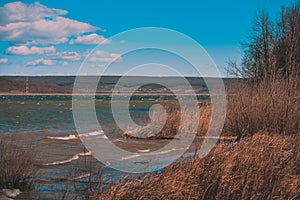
(46, 123)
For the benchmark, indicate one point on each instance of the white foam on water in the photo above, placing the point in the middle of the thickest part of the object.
(100, 134)
(153, 153)
(69, 137)
(94, 133)
(130, 157)
(118, 140)
(75, 157)
(144, 150)
(82, 176)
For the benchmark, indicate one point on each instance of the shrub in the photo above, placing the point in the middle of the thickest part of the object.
(17, 166)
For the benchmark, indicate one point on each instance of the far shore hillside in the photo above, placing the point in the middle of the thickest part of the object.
(20, 85)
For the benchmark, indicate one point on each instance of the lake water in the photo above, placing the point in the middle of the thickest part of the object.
(46, 125)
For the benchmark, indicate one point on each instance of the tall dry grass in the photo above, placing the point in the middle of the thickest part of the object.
(16, 166)
(264, 164)
(176, 119)
(261, 167)
(269, 106)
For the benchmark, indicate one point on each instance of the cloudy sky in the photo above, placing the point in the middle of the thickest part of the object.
(52, 37)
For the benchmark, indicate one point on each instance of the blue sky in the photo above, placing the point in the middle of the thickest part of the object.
(52, 37)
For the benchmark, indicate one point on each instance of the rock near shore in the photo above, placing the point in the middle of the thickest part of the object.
(8, 194)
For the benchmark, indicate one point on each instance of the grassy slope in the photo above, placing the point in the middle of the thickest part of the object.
(261, 167)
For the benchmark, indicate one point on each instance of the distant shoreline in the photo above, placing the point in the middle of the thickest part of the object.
(99, 94)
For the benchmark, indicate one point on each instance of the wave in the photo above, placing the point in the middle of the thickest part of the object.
(75, 157)
(74, 137)
(57, 180)
(69, 137)
(82, 176)
(130, 157)
(144, 150)
(151, 153)
(94, 133)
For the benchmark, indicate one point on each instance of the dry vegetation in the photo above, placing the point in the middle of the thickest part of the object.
(264, 106)
(264, 164)
(268, 99)
(16, 166)
(173, 120)
(261, 167)
(263, 112)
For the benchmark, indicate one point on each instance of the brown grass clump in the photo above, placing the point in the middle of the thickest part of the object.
(261, 167)
(156, 128)
(16, 166)
(173, 120)
(205, 119)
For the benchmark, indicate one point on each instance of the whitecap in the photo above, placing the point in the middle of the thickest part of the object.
(144, 150)
(100, 134)
(82, 176)
(151, 153)
(75, 157)
(130, 157)
(69, 137)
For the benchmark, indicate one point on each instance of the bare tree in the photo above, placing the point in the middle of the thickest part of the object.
(273, 48)
(288, 43)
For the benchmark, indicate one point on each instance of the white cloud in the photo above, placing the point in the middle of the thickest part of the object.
(102, 56)
(20, 12)
(24, 50)
(43, 31)
(40, 62)
(90, 39)
(36, 24)
(3, 60)
(71, 56)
